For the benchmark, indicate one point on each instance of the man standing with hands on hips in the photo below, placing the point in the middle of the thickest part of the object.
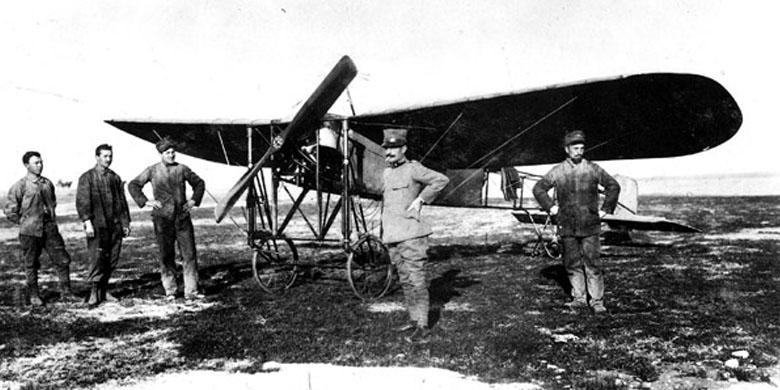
(576, 182)
(407, 186)
(171, 216)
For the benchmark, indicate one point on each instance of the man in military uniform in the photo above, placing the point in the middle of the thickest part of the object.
(31, 203)
(102, 206)
(576, 182)
(171, 216)
(407, 186)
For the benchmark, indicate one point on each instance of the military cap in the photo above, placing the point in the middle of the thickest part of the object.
(574, 137)
(164, 144)
(394, 138)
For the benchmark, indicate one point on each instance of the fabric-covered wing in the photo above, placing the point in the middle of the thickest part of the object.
(646, 222)
(623, 222)
(219, 141)
(641, 116)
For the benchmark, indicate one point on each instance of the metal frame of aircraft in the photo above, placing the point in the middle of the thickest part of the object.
(639, 116)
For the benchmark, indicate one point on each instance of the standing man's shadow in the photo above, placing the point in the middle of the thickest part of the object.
(558, 274)
(443, 289)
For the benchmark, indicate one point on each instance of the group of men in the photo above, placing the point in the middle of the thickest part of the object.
(102, 207)
(408, 185)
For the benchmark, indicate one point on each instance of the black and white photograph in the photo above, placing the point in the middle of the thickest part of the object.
(286, 194)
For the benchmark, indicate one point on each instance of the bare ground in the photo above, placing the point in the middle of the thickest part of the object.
(686, 312)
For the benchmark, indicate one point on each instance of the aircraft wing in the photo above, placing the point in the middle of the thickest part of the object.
(221, 141)
(623, 222)
(641, 116)
(646, 222)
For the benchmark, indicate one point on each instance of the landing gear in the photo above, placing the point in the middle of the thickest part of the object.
(326, 170)
(551, 248)
(275, 264)
(548, 246)
(369, 270)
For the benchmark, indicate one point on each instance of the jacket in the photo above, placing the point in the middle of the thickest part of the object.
(31, 202)
(100, 198)
(577, 189)
(402, 185)
(168, 188)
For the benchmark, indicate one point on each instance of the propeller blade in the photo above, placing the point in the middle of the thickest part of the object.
(307, 118)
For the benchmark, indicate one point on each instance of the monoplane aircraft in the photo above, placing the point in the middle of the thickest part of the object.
(628, 117)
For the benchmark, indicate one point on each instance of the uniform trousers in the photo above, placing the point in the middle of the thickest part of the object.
(52, 242)
(409, 259)
(581, 257)
(104, 249)
(169, 233)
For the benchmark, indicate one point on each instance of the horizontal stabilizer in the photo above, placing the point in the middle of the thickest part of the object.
(624, 222)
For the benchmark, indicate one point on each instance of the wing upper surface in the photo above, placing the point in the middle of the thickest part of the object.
(641, 116)
(222, 141)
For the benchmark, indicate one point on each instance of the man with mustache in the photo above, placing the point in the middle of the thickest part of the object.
(576, 182)
(407, 186)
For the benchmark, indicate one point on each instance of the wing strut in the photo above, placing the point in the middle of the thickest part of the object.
(442, 136)
(496, 150)
(527, 129)
(222, 143)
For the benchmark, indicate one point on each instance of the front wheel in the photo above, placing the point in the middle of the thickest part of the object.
(275, 264)
(369, 270)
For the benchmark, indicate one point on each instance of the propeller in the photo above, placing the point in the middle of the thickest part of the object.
(307, 118)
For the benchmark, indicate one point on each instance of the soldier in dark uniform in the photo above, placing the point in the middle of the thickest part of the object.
(31, 203)
(407, 186)
(102, 206)
(171, 216)
(576, 181)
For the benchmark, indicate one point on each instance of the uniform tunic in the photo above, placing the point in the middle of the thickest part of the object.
(171, 224)
(100, 198)
(31, 203)
(577, 188)
(406, 234)
(402, 185)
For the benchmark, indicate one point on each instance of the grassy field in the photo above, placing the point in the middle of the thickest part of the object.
(685, 311)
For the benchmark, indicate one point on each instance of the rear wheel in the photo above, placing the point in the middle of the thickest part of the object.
(369, 270)
(553, 248)
(275, 264)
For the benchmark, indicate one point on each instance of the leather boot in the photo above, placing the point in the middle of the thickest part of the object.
(66, 293)
(35, 298)
(105, 295)
(94, 295)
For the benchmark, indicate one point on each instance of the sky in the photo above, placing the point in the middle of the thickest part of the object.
(69, 65)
